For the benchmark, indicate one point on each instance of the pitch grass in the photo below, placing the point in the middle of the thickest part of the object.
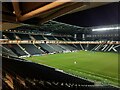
(95, 66)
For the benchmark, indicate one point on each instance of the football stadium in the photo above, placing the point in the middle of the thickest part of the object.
(60, 45)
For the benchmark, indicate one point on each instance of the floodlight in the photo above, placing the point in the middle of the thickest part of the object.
(105, 29)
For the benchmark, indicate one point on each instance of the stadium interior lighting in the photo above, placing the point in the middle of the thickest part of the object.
(105, 29)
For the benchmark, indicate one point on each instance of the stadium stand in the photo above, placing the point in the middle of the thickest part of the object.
(78, 46)
(31, 47)
(7, 51)
(65, 38)
(10, 36)
(57, 47)
(36, 77)
(89, 47)
(16, 49)
(67, 47)
(71, 39)
(38, 37)
(47, 48)
(59, 38)
(71, 46)
(51, 48)
(50, 37)
(23, 36)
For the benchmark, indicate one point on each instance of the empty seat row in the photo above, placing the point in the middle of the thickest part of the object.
(14, 36)
(16, 49)
(47, 48)
(31, 49)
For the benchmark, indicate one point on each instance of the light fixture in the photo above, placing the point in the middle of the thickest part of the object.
(105, 29)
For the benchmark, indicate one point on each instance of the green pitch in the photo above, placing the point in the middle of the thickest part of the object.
(95, 66)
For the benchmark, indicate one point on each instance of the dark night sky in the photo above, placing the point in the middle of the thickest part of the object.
(103, 15)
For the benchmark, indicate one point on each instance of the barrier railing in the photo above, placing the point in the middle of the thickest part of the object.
(2, 41)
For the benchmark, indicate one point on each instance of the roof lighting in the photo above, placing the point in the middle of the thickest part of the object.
(105, 29)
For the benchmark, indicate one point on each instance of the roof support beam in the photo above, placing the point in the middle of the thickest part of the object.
(63, 11)
(37, 11)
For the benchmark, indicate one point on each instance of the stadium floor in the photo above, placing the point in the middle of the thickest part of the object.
(95, 66)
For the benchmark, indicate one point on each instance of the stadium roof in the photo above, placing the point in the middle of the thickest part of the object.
(40, 12)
